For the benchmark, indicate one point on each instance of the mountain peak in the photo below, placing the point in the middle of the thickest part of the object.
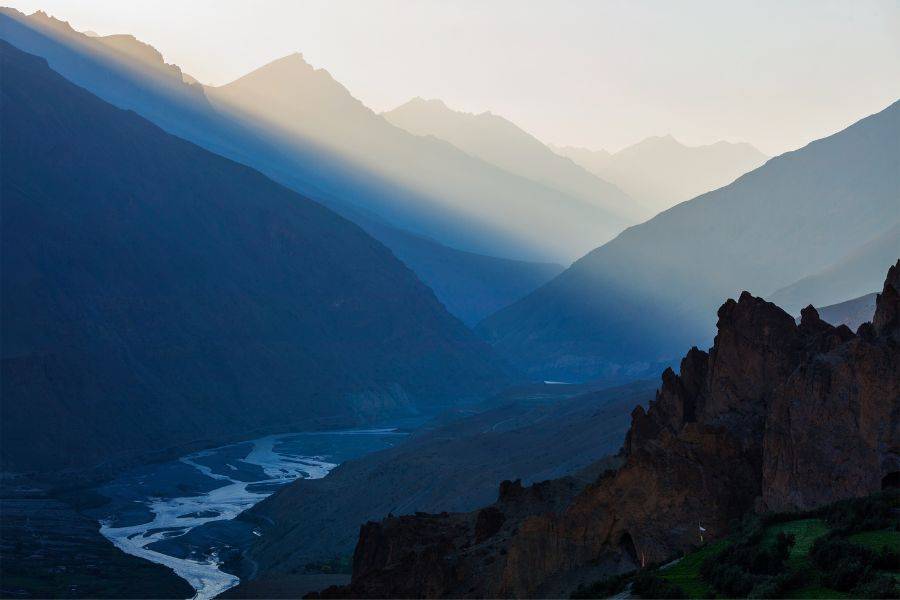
(661, 141)
(425, 104)
(293, 60)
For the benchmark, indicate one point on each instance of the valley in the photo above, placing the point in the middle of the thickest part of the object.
(178, 514)
(349, 300)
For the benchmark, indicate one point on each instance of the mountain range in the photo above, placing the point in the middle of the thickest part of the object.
(630, 304)
(133, 75)
(500, 142)
(155, 294)
(660, 172)
(460, 200)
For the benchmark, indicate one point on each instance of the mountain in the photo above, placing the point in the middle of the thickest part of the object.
(856, 274)
(499, 142)
(661, 172)
(133, 75)
(460, 200)
(738, 432)
(155, 294)
(633, 302)
(851, 313)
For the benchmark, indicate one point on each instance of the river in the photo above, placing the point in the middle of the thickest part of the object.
(180, 513)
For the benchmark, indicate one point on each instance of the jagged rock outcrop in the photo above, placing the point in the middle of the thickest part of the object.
(836, 417)
(777, 416)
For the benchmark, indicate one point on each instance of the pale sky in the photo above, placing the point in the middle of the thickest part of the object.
(599, 74)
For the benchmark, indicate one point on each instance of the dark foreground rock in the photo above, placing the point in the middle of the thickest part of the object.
(777, 416)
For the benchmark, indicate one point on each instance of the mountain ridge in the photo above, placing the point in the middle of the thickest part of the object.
(158, 92)
(137, 265)
(498, 141)
(660, 172)
(634, 301)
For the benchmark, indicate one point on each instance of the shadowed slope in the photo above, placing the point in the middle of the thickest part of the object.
(471, 286)
(132, 75)
(156, 294)
(858, 273)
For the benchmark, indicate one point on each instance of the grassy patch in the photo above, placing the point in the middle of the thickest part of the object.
(817, 592)
(851, 545)
(876, 540)
(805, 532)
(686, 572)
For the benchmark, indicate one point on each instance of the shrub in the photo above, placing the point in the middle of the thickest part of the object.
(887, 560)
(878, 586)
(847, 566)
(648, 585)
(728, 579)
(862, 514)
(604, 588)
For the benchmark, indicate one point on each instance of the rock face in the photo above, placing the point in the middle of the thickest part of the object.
(777, 416)
(837, 414)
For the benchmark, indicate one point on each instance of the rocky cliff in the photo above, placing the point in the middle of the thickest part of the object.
(776, 416)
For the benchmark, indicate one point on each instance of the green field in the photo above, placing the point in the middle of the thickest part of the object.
(876, 540)
(853, 540)
(686, 572)
(805, 532)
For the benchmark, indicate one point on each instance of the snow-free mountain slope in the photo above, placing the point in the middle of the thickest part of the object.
(856, 274)
(655, 288)
(500, 142)
(459, 200)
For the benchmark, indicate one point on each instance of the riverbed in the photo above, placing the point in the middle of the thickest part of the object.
(180, 513)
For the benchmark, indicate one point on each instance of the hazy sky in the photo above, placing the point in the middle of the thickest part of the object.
(601, 74)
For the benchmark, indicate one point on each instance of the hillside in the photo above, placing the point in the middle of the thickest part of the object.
(155, 294)
(856, 274)
(471, 286)
(653, 290)
(846, 549)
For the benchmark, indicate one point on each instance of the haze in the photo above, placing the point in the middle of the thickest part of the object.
(598, 75)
